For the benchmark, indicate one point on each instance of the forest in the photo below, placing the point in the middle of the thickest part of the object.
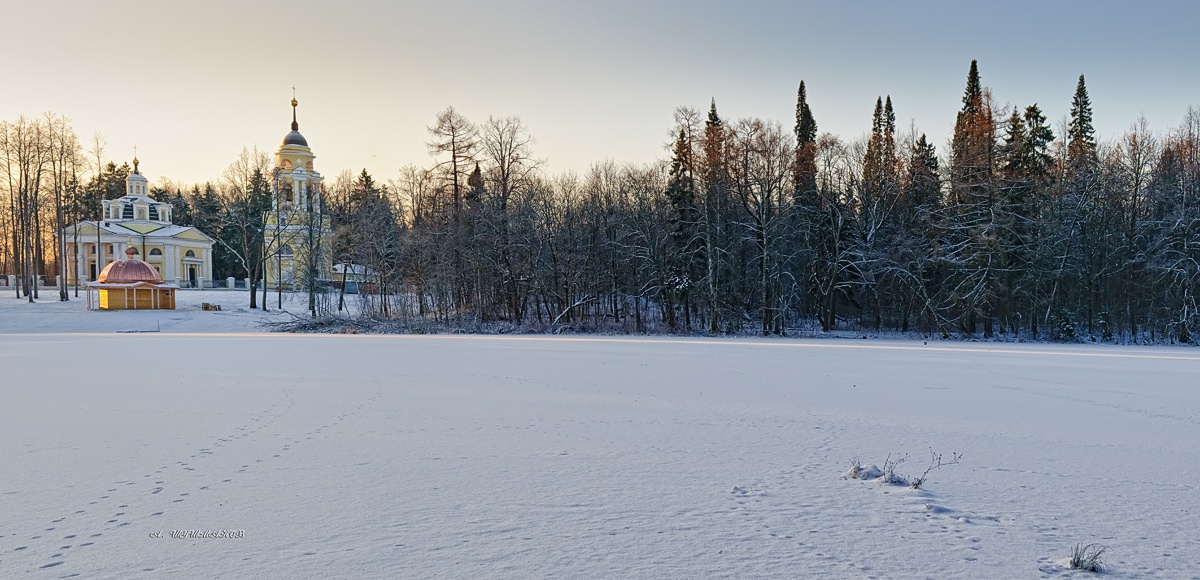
(1015, 230)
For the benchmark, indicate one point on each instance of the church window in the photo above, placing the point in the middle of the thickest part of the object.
(308, 166)
(287, 164)
(154, 212)
(141, 213)
(190, 254)
(155, 252)
(127, 211)
(283, 221)
(286, 251)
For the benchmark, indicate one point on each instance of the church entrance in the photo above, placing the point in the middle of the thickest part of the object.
(192, 276)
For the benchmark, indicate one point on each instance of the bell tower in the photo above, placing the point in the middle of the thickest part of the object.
(296, 241)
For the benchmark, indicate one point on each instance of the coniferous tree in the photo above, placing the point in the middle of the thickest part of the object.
(475, 188)
(874, 206)
(806, 151)
(1024, 168)
(715, 206)
(915, 247)
(1081, 140)
(1085, 227)
(970, 246)
(879, 163)
(681, 194)
(181, 208)
(806, 206)
(1037, 160)
(109, 183)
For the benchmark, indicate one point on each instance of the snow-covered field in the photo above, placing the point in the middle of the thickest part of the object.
(337, 456)
(47, 314)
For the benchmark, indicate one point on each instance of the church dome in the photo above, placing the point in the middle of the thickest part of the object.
(295, 138)
(129, 271)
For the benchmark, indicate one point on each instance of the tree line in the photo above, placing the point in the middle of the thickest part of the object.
(1018, 230)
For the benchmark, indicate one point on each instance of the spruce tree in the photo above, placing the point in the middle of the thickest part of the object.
(873, 159)
(974, 131)
(1081, 139)
(476, 192)
(923, 181)
(681, 193)
(1039, 136)
(805, 181)
(879, 163)
(715, 204)
(680, 185)
(889, 133)
(972, 189)
(973, 96)
(1015, 140)
(806, 126)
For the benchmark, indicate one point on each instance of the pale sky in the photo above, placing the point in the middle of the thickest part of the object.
(190, 84)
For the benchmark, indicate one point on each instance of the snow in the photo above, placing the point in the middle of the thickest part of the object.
(48, 314)
(342, 456)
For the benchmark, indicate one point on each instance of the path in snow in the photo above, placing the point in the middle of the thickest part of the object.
(492, 457)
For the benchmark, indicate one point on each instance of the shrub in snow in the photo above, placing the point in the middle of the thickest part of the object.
(860, 471)
(935, 462)
(871, 472)
(1062, 326)
(1087, 557)
(888, 473)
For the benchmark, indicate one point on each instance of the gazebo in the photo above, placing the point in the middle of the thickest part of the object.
(130, 284)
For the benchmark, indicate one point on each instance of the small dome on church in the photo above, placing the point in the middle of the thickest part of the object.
(295, 138)
(129, 270)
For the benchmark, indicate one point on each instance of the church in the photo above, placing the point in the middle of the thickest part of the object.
(297, 231)
(180, 254)
(295, 228)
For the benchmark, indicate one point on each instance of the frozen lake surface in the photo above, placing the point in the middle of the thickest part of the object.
(513, 457)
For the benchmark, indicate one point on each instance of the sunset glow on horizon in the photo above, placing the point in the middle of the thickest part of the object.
(190, 88)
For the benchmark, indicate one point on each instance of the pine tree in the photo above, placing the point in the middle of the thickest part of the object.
(1039, 136)
(974, 136)
(889, 133)
(476, 192)
(973, 96)
(107, 184)
(681, 193)
(806, 152)
(971, 246)
(1015, 139)
(715, 203)
(879, 163)
(1081, 140)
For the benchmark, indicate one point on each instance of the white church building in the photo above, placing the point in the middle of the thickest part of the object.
(181, 254)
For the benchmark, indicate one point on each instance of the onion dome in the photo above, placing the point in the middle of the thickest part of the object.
(129, 270)
(295, 138)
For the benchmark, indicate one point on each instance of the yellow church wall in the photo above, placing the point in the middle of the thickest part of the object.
(191, 235)
(298, 242)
